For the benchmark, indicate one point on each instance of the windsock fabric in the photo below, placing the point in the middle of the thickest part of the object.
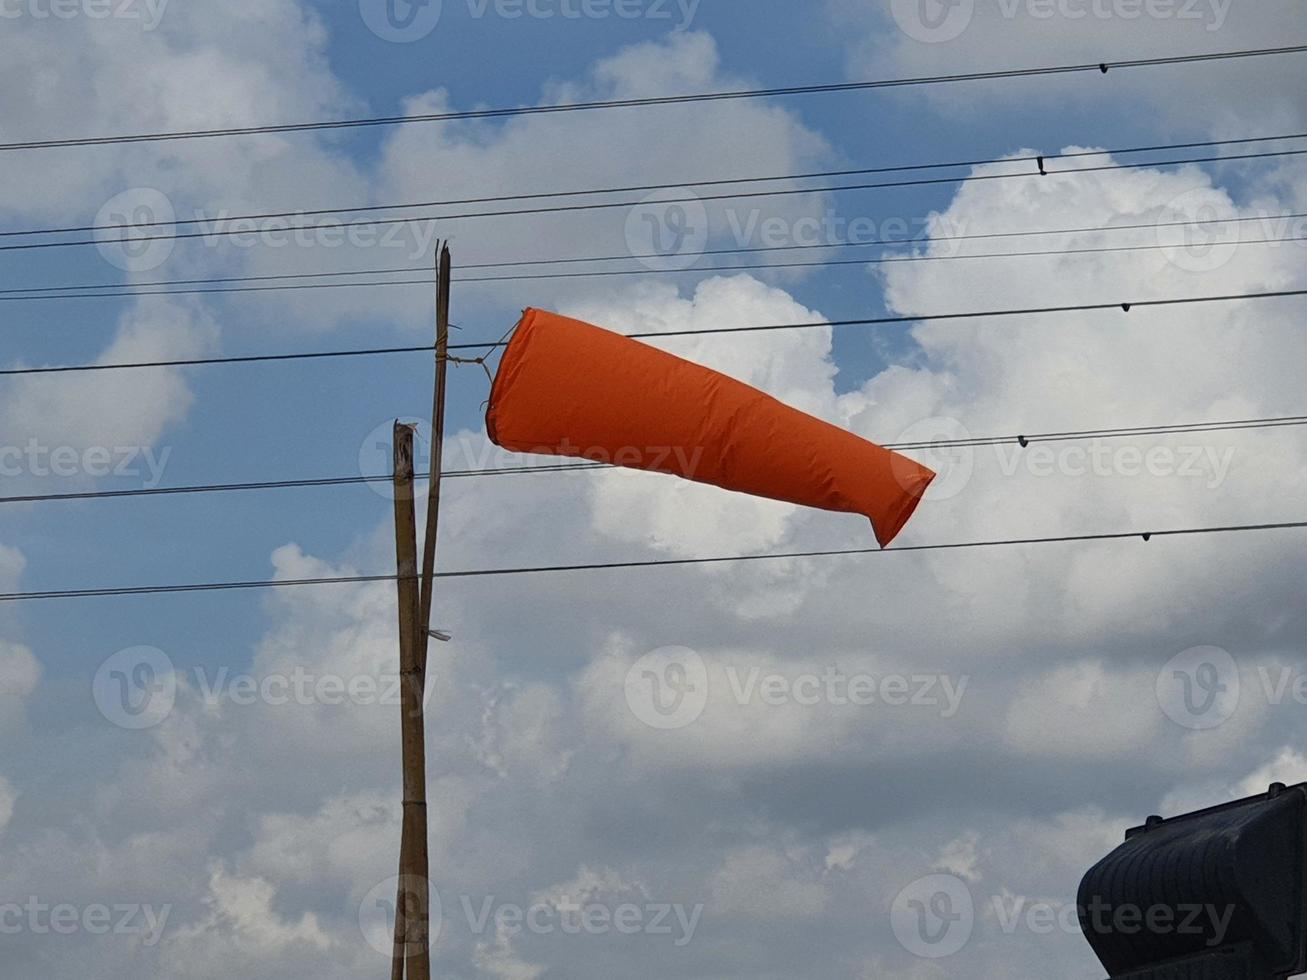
(567, 388)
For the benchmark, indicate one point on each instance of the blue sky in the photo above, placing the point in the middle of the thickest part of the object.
(285, 421)
(530, 733)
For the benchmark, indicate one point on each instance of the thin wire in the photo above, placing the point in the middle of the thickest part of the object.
(672, 185)
(974, 314)
(866, 321)
(951, 546)
(651, 563)
(131, 288)
(969, 442)
(338, 481)
(218, 280)
(719, 96)
(607, 205)
(127, 291)
(830, 263)
(201, 361)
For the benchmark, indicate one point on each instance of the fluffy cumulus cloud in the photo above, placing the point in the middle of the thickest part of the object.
(74, 428)
(931, 37)
(199, 67)
(723, 771)
(20, 674)
(466, 161)
(789, 807)
(165, 67)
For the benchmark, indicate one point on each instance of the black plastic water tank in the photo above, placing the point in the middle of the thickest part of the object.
(1213, 895)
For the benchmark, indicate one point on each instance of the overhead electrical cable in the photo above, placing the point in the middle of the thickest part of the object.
(128, 292)
(141, 590)
(1023, 441)
(717, 96)
(134, 288)
(221, 215)
(1125, 306)
(260, 233)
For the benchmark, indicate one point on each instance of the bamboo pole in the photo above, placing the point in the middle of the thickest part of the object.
(443, 265)
(410, 827)
(414, 873)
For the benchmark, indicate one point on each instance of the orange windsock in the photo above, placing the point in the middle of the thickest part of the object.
(567, 388)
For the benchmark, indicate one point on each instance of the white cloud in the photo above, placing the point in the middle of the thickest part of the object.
(795, 824)
(8, 797)
(19, 670)
(498, 959)
(243, 931)
(203, 68)
(903, 38)
(113, 411)
(960, 857)
(1288, 767)
(1084, 710)
(761, 884)
(528, 713)
(537, 154)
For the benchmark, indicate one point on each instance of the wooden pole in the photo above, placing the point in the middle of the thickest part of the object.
(443, 265)
(411, 827)
(414, 873)
(401, 908)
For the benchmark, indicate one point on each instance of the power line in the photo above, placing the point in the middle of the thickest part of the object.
(718, 96)
(338, 481)
(672, 185)
(941, 239)
(950, 546)
(878, 260)
(969, 442)
(206, 587)
(202, 361)
(128, 291)
(133, 289)
(1126, 307)
(218, 280)
(974, 314)
(650, 563)
(608, 205)
(968, 315)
